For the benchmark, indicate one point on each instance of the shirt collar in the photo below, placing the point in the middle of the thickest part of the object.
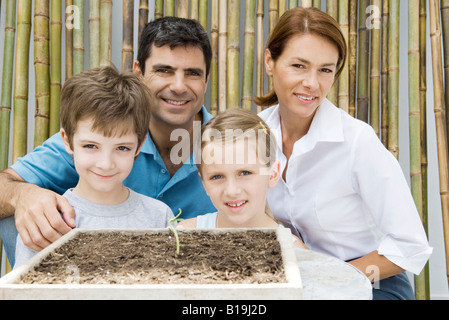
(326, 126)
(150, 148)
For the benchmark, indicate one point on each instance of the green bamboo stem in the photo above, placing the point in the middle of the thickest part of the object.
(439, 108)
(182, 8)
(415, 124)
(143, 15)
(21, 79)
(306, 3)
(158, 9)
(384, 73)
(282, 7)
(78, 40)
(248, 62)
(375, 71)
(294, 3)
(203, 11)
(445, 34)
(332, 10)
(169, 8)
(194, 9)
(233, 53)
(6, 93)
(42, 70)
(128, 36)
(423, 110)
(94, 33)
(222, 61)
(273, 17)
(352, 59)
(363, 64)
(68, 43)
(260, 51)
(214, 20)
(105, 32)
(55, 76)
(343, 81)
(393, 78)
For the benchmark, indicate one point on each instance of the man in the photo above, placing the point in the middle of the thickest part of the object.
(174, 58)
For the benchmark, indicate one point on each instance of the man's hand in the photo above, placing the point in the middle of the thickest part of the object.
(37, 211)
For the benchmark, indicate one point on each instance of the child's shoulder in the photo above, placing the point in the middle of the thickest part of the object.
(148, 202)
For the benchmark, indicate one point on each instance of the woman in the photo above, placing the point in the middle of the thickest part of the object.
(341, 190)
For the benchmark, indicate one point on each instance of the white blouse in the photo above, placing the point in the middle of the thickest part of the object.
(345, 193)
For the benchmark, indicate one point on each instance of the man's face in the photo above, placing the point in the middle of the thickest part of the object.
(178, 82)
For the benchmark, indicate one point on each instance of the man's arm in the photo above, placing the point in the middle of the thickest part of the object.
(37, 211)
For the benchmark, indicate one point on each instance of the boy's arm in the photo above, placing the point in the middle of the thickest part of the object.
(37, 210)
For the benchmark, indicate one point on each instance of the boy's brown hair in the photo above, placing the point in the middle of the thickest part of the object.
(117, 103)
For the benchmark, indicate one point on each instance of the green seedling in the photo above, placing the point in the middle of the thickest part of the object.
(175, 219)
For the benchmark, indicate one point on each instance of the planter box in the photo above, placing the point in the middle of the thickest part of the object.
(291, 288)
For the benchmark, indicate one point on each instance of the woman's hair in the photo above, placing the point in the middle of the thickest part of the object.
(116, 103)
(301, 21)
(237, 124)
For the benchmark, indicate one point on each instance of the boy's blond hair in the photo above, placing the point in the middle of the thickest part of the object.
(117, 103)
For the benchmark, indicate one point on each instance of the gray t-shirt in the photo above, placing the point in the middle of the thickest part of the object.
(137, 212)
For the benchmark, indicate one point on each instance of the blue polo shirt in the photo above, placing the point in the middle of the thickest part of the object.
(51, 167)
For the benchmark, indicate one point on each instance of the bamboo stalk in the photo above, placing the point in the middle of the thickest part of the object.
(248, 63)
(143, 15)
(42, 70)
(343, 81)
(363, 65)
(393, 78)
(332, 10)
(78, 40)
(128, 36)
(94, 33)
(273, 17)
(415, 119)
(182, 9)
(306, 3)
(169, 6)
(375, 71)
(55, 54)
(442, 146)
(158, 9)
(282, 7)
(316, 4)
(260, 51)
(222, 41)
(105, 32)
(423, 110)
(416, 174)
(194, 10)
(445, 34)
(384, 73)
(233, 53)
(6, 94)
(214, 20)
(352, 60)
(68, 42)
(21, 79)
(294, 3)
(203, 11)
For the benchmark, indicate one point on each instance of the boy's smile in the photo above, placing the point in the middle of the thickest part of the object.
(101, 162)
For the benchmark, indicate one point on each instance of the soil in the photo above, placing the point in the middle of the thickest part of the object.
(117, 258)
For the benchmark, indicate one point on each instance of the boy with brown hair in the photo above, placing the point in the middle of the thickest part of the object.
(104, 122)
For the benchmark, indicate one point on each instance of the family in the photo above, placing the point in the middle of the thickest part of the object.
(302, 163)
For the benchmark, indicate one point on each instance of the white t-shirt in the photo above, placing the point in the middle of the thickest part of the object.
(346, 193)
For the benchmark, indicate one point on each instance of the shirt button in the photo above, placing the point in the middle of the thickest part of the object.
(163, 171)
(161, 196)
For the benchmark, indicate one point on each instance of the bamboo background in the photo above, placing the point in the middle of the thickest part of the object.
(73, 35)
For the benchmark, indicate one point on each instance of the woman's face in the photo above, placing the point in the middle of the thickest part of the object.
(303, 74)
